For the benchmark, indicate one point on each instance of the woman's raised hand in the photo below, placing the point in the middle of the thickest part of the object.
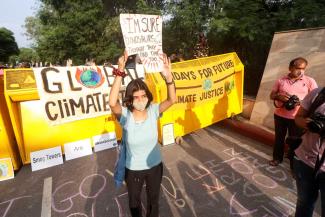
(121, 61)
(167, 68)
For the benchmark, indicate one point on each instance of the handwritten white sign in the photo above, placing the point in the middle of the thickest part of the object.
(104, 141)
(168, 134)
(77, 149)
(46, 158)
(143, 36)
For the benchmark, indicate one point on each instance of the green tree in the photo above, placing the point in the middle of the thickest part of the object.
(247, 27)
(28, 55)
(184, 20)
(67, 29)
(8, 45)
(80, 29)
(243, 26)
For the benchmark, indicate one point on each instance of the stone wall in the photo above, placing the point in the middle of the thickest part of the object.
(307, 43)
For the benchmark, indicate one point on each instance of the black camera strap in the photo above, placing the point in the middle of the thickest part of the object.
(320, 99)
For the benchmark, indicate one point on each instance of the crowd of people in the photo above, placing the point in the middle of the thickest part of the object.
(299, 116)
(299, 121)
(296, 97)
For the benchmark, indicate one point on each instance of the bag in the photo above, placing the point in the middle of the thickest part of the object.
(119, 170)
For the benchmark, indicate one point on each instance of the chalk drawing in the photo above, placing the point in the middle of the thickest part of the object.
(264, 181)
(205, 172)
(235, 204)
(241, 167)
(10, 203)
(120, 211)
(230, 180)
(278, 174)
(270, 213)
(98, 191)
(68, 201)
(250, 190)
(290, 205)
(77, 214)
(178, 202)
(214, 188)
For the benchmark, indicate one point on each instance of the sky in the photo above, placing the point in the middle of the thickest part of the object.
(12, 17)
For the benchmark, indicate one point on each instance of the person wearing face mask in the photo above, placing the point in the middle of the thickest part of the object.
(287, 93)
(138, 118)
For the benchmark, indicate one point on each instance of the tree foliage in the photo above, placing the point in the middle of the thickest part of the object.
(79, 29)
(8, 45)
(247, 27)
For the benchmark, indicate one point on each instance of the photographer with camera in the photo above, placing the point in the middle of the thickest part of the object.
(287, 93)
(308, 163)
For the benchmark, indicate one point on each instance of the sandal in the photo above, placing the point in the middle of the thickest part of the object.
(274, 163)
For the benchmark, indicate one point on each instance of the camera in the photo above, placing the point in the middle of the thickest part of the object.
(292, 102)
(317, 123)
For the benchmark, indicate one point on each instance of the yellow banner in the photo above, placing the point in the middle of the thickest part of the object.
(202, 80)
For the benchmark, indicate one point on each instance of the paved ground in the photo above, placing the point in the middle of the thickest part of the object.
(215, 172)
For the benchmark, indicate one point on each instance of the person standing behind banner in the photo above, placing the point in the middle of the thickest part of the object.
(308, 166)
(287, 93)
(138, 117)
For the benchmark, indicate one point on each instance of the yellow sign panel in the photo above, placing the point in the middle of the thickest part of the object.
(38, 134)
(208, 90)
(6, 169)
(8, 145)
(20, 79)
(202, 80)
(28, 117)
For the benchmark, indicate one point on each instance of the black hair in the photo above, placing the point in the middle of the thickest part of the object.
(297, 61)
(132, 87)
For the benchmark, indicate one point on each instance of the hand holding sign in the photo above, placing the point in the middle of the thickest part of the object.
(121, 61)
(167, 68)
(143, 36)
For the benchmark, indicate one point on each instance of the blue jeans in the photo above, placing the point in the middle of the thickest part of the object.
(307, 189)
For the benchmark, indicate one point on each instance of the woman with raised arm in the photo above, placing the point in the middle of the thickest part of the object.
(138, 117)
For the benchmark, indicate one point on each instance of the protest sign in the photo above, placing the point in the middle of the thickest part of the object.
(76, 93)
(202, 80)
(143, 36)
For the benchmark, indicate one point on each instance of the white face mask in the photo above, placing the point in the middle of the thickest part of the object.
(140, 105)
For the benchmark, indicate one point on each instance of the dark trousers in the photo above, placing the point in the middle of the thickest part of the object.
(307, 189)
(282, 126)
(135, 180)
